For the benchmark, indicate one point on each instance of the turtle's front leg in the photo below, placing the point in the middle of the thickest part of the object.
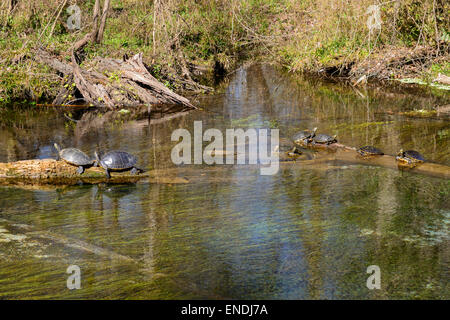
(137, 170)
(107, 174)
(80, 169)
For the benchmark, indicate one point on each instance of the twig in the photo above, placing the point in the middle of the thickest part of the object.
(66, 116)
(45, 28)
(56, 19)
(103, 21)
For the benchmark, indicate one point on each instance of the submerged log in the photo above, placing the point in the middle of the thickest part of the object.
(343, 154)
(31, 231)
(388, 161)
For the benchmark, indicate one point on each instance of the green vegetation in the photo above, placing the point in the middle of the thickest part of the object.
(306, 35)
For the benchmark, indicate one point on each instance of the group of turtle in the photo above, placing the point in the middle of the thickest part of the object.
(111, 161)
(309, 137)
(123, 161)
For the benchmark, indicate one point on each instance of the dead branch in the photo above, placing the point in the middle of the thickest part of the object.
(101, 29)
(130, 84)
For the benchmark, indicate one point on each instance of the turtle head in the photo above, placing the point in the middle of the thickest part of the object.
(57, 147)
(335, 136)
(314, 130)
(400, 153)
(97, 158)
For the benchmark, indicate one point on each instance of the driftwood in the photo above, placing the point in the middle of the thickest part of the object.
(49, 171)
(113, 83)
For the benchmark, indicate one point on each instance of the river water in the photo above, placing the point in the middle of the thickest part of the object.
(304, 233)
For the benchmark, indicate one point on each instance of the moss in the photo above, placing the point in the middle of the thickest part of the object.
(12, 172)
(94, 174)
(363, 125)
(420, 113)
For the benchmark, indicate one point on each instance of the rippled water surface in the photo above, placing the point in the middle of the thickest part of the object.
(308, 232)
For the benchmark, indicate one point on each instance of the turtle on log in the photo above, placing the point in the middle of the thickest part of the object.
(410, 157)
(324, 139)
(118, 161)
(369, 151)
(75, 157)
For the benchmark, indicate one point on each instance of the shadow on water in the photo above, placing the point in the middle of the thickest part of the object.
(300, 234)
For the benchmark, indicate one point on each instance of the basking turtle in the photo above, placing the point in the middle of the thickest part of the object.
(304, 137)
(324, 139)
(410, 156)
(369, 151)
(118, 161)
(75, 157)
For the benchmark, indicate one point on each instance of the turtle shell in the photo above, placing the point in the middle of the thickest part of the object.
(75, 156)
(302, 136)
(324, 138)
(411, 156)
(369, 150)
(118, 160)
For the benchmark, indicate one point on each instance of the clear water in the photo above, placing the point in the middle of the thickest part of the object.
(305, 233)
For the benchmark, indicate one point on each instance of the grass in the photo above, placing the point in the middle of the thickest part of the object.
(302, 35)
(443, 68)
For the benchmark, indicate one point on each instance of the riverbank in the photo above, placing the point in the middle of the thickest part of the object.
(189, 46)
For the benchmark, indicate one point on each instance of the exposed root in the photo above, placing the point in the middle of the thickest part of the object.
(114, 83)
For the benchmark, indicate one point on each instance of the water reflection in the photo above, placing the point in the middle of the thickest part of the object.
(301, 234)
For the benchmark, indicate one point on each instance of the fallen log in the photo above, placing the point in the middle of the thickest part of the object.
(111, 83)
(49, 171)
(46, 173)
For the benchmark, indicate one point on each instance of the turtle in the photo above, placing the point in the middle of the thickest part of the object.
(304, 137)
(369, 151)
(294, 152)
(322, 138)
(291, 152)
(409, 156)
(75, 157)
(118, 161)
(286, 153)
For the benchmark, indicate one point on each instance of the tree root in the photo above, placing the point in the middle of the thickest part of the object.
(114, 84)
